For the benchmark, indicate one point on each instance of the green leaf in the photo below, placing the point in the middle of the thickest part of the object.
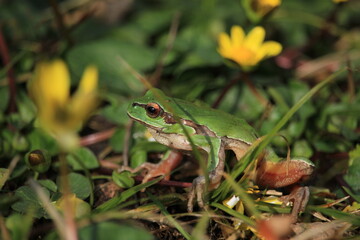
(234, 213)
(26, 107)
(123, 179)
(352, 218)
(48, 184)
(113, 231)
(138, 158)
(138, 153)
(353, 174)
(117, 140)
(4, 98)
(302, 149)
(105, 54)
(38, 139)
(29, 201)
(149, 147)
(348, 191)
(3, 176)
(82, 157)
(114, 202)
(79, 184)
(19, 226)
(19, 142)
(116, 113)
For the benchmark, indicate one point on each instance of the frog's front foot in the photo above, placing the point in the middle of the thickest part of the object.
(163, 168)
(299, 197)
(199, 189)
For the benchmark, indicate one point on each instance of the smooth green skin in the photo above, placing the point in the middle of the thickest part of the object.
(219, 122)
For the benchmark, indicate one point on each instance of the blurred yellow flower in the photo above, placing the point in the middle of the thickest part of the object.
(79, 206)
(263, 7)
(247, 51)
(339, 1)
(59, 113)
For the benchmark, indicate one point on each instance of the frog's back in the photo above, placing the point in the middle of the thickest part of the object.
(221, 123)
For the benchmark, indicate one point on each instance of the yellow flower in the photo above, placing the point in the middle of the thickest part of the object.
(78, 206)
(59, 113)
(263, 7)
(339, 1)
(247, 51)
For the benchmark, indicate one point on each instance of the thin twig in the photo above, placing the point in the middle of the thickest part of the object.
(154, 79)
(60, 22)
(126, 146)
(325, 29)
(54, 214)
(245, 77)
(351, 84)
(253, 89)
(11, 168)
(3, 230)
(137, 75)
(97, 137)
(167, 182)
(5, 56)
(230, 84)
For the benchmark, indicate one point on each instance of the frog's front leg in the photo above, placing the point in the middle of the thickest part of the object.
(168, 163)
(215, 168)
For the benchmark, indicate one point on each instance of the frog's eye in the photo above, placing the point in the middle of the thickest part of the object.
(153, 110)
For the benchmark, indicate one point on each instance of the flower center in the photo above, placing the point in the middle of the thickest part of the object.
(244, 56)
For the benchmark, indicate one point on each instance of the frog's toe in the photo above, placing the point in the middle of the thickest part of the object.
(300, 197)
(190, 204)
(197, 190)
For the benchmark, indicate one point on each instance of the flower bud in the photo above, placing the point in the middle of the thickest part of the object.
(38, 160)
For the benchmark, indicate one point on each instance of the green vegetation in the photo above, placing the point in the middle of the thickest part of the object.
(290, 69)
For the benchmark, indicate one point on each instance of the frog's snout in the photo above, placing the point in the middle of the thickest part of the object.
(133, 109)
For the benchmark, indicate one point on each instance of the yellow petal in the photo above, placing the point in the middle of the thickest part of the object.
(269, 49)
(50, 90)
(89, 80)
(237, 36)
(225, 47)
(255, 38)
(84, 100)
(54, 82)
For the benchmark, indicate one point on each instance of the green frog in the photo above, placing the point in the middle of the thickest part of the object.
(173, 121)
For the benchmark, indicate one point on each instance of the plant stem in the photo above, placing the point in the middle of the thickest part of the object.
(60, 22)
(245, 77)
(10, 73)
(71, 231)
(232, 83)
(253, 89)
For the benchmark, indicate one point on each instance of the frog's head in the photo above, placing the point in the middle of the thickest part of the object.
(151, 110)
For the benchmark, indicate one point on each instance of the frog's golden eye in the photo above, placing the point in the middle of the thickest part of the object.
(153, 110)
